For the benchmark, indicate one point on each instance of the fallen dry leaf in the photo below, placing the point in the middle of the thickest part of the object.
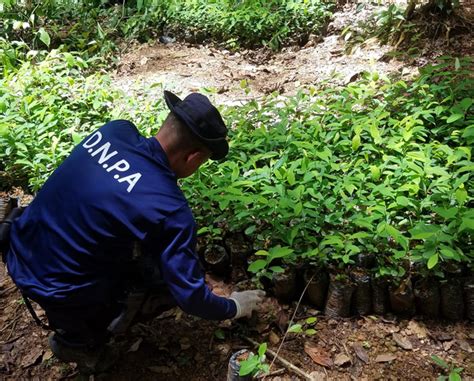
(134, 347)
(342, 359)
(161, 369)
(417, 329)
(273, 338)
(465, 346)
(318, 355)
(32, 357)
(385, 357)
(447, 345)
(443, 336)
(361, 353)
(184, 343)
(402, 342)
(317, 376)
(282, 321)
(47, 355)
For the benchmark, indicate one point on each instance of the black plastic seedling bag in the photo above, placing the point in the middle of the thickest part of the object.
(284, 285)
(452, 303)
(427, 297)
(402, 299)
(234, 366)
(318, 287)
(469, 298)
(362, 298)
(380, 299)
(338, 303)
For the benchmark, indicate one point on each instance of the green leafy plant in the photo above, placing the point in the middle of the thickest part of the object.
(305, 327)
(263, 267)
(255, 363)
(453, 372)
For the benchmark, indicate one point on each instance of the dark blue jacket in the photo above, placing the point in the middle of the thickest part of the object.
(71, 245)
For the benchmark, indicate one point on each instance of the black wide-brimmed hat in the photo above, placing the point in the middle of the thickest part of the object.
(203, 119)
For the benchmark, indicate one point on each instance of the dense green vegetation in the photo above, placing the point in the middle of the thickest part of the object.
(94, 27)
(380, 166)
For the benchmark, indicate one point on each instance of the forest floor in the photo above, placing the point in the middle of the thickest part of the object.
(185, 68)
(177, 346)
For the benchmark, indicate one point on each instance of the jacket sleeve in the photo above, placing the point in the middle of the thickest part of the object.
(182, 271)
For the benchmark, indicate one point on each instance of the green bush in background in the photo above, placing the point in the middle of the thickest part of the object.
(380, 166)
(95, 27)
(48, 107)
(247, 23)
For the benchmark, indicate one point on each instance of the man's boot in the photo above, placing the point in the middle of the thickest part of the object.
(89, 361)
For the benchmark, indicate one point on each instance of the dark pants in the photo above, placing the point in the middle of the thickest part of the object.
(92, 325)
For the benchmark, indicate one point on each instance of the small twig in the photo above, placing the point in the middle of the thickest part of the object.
(211, 342)
(12, 330)
(11, 340)
(291, 322)
(12, 322)
(347, 352)
(288, 365)
(8, 289)
(274, 373)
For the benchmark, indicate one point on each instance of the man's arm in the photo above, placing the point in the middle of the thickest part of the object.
(182, 272)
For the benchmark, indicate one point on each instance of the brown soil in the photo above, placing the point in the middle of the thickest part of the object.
(237, 77)
(181, 347)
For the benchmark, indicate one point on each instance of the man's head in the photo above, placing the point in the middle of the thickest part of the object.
(192, 133)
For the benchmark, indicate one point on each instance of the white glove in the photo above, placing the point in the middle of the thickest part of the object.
(246, 302)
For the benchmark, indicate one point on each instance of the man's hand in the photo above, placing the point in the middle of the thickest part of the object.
(246, 302)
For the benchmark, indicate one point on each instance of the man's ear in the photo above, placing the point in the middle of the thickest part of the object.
(194, 156)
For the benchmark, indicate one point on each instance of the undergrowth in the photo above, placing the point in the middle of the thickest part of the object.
(380, 165)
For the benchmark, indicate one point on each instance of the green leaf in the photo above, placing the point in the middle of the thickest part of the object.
(440, 361)
(262, 349)
(249, 366)
(461, 195)
(374, 132)
(447, 213)
(250, 229)
(454, 117)
(466, 103)
(448, 252)
(44, 37)
(219, 333)
(375, 171)
(423, 231)
(298, 208)
(457, 64)
(360, 235)
(276, 269)
(356, 142)
(256, 266)
(453, 376)
(433, 261)
(311, 320)
(279, 252)
(467, 223)
(76, 138)
(295, 328)
(290, 176)
(403, 201)
(310, 332)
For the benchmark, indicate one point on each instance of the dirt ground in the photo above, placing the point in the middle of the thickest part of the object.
(186, 68)
(177, 346)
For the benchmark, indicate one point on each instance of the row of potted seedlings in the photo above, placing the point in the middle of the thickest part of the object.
(356, 290)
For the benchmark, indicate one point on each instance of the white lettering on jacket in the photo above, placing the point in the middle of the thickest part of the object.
(121, 166)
